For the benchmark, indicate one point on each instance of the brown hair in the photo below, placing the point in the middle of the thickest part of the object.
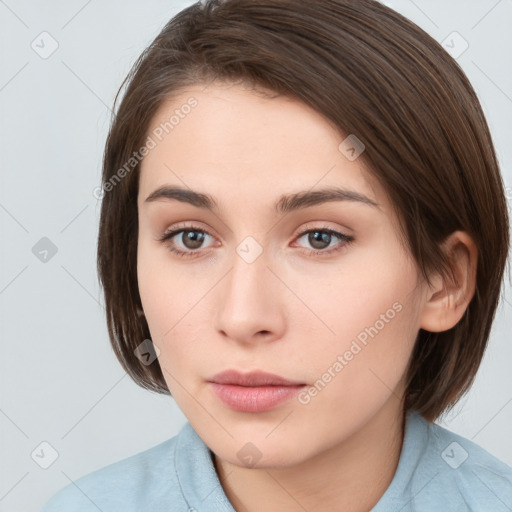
(371, 72)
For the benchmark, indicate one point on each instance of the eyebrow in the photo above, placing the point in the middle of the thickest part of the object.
(286, 203)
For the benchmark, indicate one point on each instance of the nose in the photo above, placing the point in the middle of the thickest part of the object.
(248, 301)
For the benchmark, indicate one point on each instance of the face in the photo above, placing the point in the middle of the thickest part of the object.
(322, 294)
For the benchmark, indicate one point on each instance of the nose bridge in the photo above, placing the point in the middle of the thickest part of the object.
(247, 302)
(248, 278)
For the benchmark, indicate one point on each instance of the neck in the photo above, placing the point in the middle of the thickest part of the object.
(351, 476)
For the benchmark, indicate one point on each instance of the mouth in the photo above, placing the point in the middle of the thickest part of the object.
(252, 379)
(256, 391)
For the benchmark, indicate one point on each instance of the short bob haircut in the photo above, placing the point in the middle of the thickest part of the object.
(373, 73)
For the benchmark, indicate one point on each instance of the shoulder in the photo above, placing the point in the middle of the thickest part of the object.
(459, 473)
(146, 480)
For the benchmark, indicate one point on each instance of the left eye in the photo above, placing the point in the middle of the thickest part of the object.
(192, 238)
(321, 238)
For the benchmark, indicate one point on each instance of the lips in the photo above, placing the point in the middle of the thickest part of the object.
(252, 379)
(253, 392)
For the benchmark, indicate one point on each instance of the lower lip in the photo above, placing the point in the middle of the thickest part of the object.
(254, 399)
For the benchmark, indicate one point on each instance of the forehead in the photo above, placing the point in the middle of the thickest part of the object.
(227, 139)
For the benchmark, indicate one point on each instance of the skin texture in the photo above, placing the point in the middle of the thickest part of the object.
(288, 312)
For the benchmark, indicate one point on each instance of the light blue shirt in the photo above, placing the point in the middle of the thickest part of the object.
(438, 471)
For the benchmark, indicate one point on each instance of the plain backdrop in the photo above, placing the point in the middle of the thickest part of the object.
(60, 382)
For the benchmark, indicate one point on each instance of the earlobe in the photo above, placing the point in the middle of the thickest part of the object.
(447, 300)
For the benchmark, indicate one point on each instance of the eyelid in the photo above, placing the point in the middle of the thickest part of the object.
(196, 225)
(345, 239)
(321, 226)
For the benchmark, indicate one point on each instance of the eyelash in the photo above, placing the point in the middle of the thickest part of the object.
(191, 254)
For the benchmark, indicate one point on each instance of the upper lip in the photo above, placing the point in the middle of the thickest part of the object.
(253, 378)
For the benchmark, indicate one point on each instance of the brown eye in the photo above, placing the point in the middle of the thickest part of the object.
(191, 240)
(188, 241)
(321, 238)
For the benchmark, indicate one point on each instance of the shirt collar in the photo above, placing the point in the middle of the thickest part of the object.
(202, 489)
(196, 473)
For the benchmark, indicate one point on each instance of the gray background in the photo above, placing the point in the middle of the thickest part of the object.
(60, 382)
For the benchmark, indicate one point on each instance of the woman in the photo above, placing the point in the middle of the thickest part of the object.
(302, 240)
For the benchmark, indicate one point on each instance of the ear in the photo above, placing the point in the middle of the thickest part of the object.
(447, 300)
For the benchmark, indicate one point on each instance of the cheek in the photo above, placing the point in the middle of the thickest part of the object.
(364, 324)
(171, 304)
(341, 301)
(164, 292)
(158, 293)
